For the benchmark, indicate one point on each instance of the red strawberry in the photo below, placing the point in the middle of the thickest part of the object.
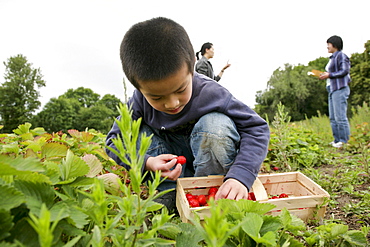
(275, 168)
(274, 197)
(181, 160)
(212, 195)
(193, 203)
(212, 190)
(251, 196)
(202, 200)
(283, 195)
(189, 196)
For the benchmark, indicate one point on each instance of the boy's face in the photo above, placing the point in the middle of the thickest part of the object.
(169, 95)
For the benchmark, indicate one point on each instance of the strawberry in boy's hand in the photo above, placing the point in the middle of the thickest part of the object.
(181, 160)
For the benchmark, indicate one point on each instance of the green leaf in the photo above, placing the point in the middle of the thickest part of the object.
(82, 181)
(111, 183)
(269, 239)
(53, 149)
(73, 166)
(189, 236)
(94, 163)
(23, 129)
(69, 210)
(6, 223)
(355, 237)
(19, 165)
(24, 233)
(10, 197)
(35, 177)
(10, 148)
(243, 206)
(153, 206)
(338, 229)
(252, 225)
(52, 171)
(36, 194)
(170, 230)
(270, 223)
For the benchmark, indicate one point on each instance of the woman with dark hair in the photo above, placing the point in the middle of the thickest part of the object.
(204, 66)
(338, 80)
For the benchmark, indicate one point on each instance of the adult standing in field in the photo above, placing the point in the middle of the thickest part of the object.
(204, 66)
(338, 79)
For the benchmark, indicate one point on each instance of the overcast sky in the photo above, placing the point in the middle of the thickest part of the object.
(76, 43)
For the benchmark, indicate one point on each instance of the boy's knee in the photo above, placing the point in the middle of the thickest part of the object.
(216, 123)
(215, 139)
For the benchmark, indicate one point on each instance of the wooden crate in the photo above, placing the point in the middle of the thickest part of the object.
(304, 194)
(307, 200)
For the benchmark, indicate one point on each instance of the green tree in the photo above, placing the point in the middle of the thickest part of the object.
(67, 112)
(98, 117)
(110, 101)
(301, 94)
(59, 114)
(360, 75)
(85, 96)
(18, 93)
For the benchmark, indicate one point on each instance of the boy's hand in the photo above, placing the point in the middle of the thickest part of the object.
(232, 189)
(164, 163)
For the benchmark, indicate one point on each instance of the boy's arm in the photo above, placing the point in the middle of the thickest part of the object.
(255, 134)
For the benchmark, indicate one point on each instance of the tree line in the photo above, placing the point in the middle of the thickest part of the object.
(303, 96)
(79, 108)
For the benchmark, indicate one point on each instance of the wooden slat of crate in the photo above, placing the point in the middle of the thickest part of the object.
(296, 202)
(201, 185)
(304, 194)
(304, 214)
(185, 185)
(294, 183)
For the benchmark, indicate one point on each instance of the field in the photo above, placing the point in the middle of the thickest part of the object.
(343, 172)
(61, 189)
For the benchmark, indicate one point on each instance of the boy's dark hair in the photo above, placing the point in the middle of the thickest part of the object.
(336, 41)
(205, 46)
(155, 49)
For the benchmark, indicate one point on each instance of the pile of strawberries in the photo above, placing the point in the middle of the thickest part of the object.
(282, 195)
(202, 200)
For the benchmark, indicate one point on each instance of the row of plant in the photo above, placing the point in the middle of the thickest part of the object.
(343, 173)
(62, 189)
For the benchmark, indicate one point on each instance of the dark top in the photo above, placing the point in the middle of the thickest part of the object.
(209, 96)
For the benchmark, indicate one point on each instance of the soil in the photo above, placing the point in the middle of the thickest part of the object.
(350, 219)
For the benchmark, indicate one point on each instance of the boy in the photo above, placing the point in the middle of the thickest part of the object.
(188, 114)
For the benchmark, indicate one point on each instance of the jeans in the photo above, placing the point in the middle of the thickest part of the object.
(210, 148)
(338, 114)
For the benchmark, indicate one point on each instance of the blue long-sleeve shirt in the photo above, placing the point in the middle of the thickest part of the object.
(339, 71)
(208, 96)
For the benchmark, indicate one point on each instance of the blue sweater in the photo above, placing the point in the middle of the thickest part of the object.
(208, 96)
(339, 71)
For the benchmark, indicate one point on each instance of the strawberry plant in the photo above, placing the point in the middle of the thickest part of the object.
(61, 189)
(56, 190)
